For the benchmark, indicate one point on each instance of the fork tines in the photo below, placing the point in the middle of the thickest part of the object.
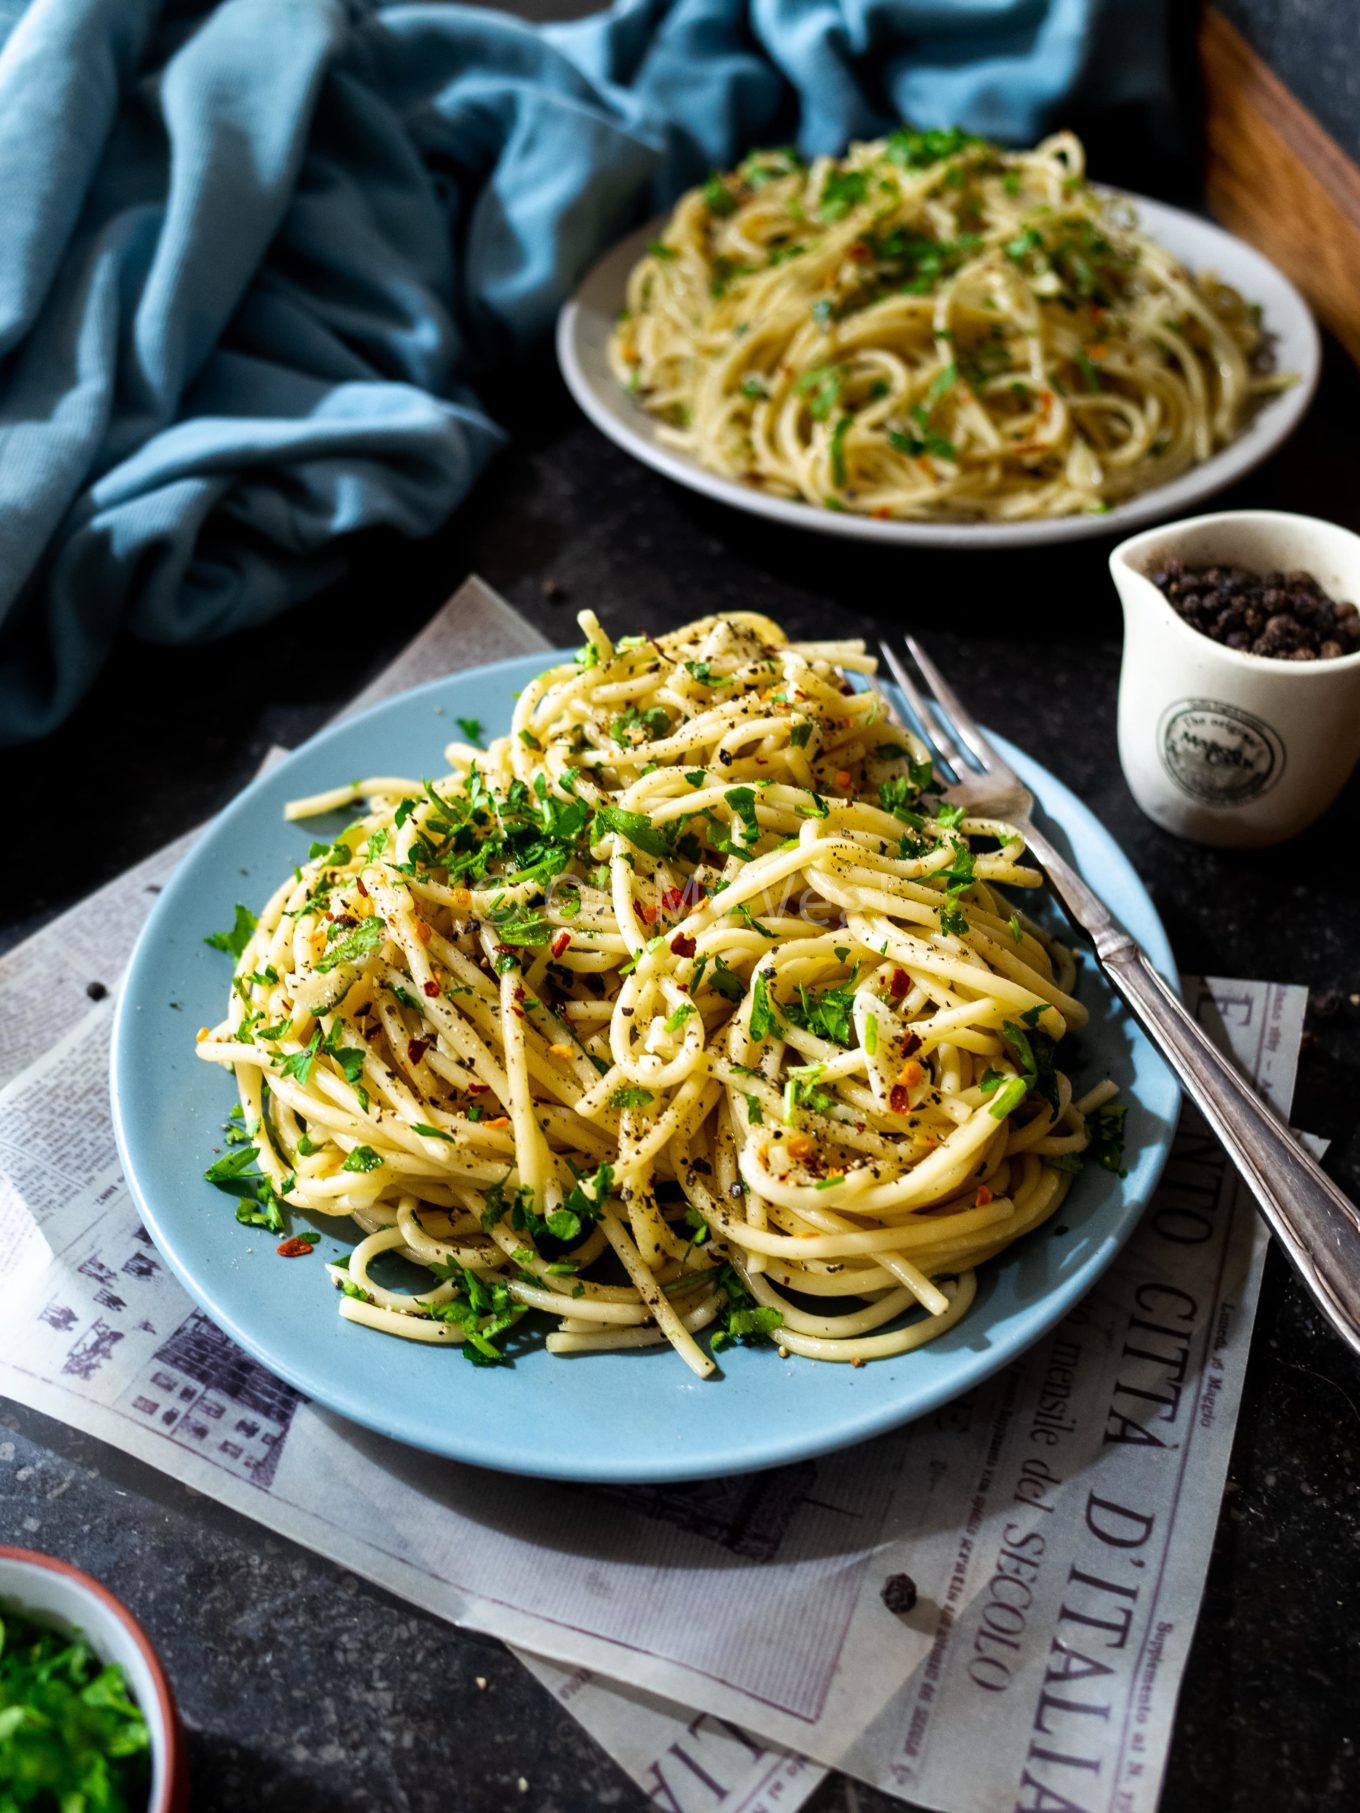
(941, 715)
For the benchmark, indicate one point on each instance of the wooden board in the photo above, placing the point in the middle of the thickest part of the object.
(1277, 179)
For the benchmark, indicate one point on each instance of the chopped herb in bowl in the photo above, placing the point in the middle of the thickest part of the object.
(71, 1738)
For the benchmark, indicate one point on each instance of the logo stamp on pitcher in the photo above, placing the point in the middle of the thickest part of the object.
(1219, 753)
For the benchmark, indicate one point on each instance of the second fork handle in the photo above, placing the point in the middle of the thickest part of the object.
(1316, 1224)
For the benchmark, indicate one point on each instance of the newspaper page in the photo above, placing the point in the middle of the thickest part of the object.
(1056, 1523)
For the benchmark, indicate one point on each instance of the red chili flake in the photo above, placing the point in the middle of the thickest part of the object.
(359, 883)
(983, 1197)
(417, 1048)
(861, 251)
(898, 984)
(343, 920)
(672, 898)
(647, 914)
(683, 945)
(432, 989)
(479, 1088)
(910, 1042)
(294, 1248)
(371, 1033)
(693, 892)
(560, 943)
(899, 1098)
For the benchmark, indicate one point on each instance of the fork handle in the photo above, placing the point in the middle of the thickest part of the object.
(1318, 1226)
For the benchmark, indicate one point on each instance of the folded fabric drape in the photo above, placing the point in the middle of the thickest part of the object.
(256, 256)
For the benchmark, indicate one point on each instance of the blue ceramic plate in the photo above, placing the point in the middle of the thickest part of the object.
(616, 1417)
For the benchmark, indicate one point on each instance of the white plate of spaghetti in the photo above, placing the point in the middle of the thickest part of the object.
(937, 342)
(652, 1054)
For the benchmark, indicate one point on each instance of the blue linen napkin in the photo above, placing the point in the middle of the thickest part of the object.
(256, 255)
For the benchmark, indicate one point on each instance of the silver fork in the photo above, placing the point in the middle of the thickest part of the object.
(1318, 1226)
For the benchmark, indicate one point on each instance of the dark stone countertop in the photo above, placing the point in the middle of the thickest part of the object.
(306, 1688)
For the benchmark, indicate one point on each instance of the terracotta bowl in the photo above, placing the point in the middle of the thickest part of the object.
(53, 1592)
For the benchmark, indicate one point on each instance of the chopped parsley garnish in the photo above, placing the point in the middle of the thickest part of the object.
(520, 926)
(362, 1158)
(471, 729)
(941, 383)
(299, 1064)
(631, 1098)
(918, 150)
(482, 1310)
(822, 387)
(697, 1226)
(587, 1196)
(353, 946)
(764, 1017)
(801, 1089)
(718, 198)
(634, 826)
(826, 1013)
(838, 449)
(1034, 1055)
(925, 440)
(743, 1319)
(1025, 242)
(843, 190)
(1106, 1128)
(704, 674)
(236, 940)
(236, 1163)
(724, 981)
(257, 1203)
(742, 800)
(900, 795)
(959, 877)
(633, 726)
(337, 854)
(748, 918)
(1090, 377)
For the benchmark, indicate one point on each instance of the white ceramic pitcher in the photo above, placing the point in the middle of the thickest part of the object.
(1218, 745)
